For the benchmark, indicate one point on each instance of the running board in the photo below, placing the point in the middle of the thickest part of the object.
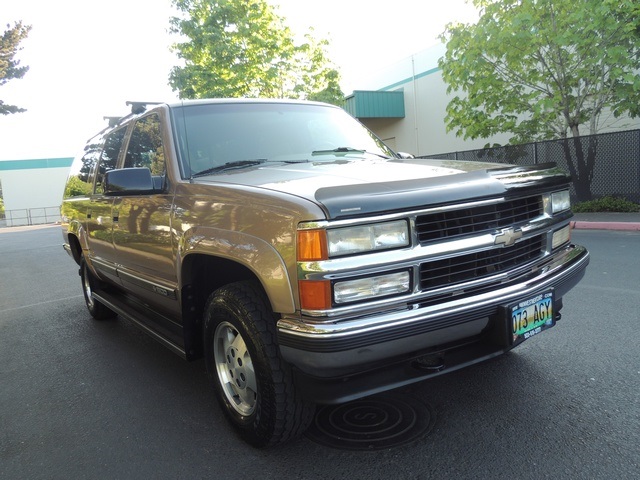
(143, 318)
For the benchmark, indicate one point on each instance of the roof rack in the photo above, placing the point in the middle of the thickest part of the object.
(136, 108)
(113, 121)
(139, 107)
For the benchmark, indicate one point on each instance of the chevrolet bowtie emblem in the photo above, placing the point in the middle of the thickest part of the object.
(507, 237)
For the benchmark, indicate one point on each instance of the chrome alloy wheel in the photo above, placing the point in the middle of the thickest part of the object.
(86, 284)
(235, 369)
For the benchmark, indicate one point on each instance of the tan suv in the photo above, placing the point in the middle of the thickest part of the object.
(306, 261)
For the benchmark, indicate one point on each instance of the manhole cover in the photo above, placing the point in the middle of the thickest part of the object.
(374, 423)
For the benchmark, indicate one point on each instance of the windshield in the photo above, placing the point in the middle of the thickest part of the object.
(214, 135)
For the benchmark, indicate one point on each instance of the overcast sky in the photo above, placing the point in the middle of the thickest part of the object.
(87, 57)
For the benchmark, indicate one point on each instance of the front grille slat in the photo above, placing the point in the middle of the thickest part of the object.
(479, 265)
(476, 220)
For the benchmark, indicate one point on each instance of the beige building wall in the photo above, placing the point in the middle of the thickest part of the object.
(422, 131)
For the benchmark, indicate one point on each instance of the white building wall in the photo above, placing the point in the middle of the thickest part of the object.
(35, 188)
(32, 195)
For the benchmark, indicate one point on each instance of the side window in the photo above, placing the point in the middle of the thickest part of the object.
(109, 158)
(80, 181)
(146, 149)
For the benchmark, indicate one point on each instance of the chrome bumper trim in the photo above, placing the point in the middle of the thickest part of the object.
(314, 347)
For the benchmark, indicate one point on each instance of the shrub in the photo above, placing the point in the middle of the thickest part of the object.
(606, 204)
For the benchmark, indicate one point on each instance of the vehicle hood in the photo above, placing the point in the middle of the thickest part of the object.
(352, 188)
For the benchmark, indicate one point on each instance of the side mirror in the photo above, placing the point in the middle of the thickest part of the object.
(128, 181)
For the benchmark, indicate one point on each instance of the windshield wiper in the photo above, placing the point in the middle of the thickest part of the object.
(346, 150)
(230, 166)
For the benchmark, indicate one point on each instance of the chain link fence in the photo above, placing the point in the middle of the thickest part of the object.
(616, 169)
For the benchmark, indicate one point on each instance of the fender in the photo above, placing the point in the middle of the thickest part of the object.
(75, 228)
(255, 254)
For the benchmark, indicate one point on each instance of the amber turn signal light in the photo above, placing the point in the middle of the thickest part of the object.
(315, 294)
(312, 245)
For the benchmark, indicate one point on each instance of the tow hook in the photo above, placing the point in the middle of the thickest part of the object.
(431, 363)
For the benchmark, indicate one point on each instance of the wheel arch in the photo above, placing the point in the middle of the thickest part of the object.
(76, 237)
(203, 272)
(75, 248)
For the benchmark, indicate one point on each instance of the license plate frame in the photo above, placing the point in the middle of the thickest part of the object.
(530, 316)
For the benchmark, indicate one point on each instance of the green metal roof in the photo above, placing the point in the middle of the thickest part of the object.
(36, 163)
(375, 104)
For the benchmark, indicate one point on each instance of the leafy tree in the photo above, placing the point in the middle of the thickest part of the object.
(545, 69)
(9, 66)
(242, 48)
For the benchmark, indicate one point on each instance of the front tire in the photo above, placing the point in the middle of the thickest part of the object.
(89, 284)
(252, 383)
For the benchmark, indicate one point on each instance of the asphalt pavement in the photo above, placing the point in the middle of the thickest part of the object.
(87, 399)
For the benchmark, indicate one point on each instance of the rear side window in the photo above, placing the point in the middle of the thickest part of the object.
(146, 149)
(80, 180)
(109, 158)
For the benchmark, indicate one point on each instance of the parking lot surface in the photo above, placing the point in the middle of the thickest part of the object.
(87, 399)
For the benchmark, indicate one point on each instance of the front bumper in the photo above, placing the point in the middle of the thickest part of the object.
(333, 352)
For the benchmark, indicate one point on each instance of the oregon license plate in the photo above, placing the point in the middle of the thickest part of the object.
(531, 316)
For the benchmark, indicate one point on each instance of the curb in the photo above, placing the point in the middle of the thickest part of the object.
(619, 226)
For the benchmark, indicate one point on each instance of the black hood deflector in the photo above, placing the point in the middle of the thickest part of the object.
(388, 197)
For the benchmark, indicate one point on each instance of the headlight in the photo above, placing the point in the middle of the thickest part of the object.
(367, 238)
(560, 201)
(371, 287)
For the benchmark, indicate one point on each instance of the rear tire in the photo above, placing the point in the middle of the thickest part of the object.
(90, 283)
(252, 383)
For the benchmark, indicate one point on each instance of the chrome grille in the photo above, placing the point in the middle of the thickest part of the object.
(474, 220)
(476, 266)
